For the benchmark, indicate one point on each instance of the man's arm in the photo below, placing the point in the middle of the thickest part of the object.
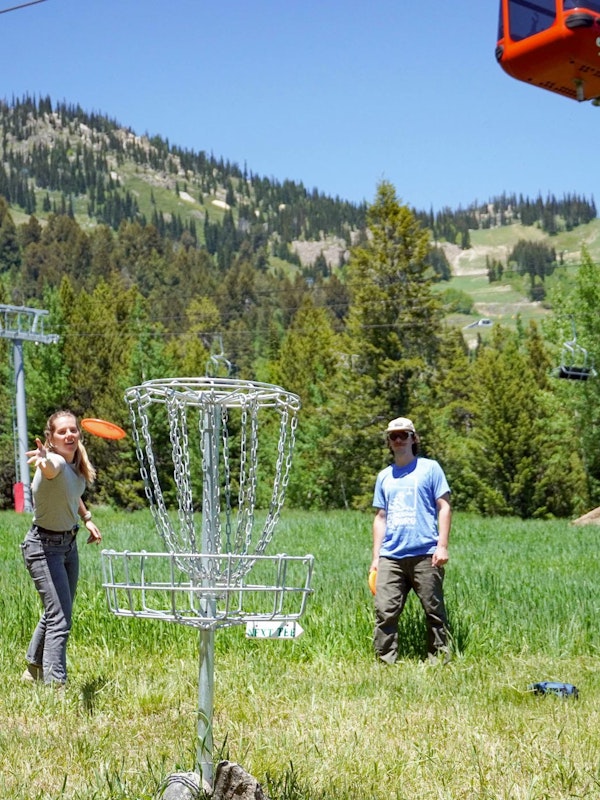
(378, 534)
(444, 509)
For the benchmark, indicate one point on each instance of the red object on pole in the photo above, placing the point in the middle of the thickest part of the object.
(19, 497)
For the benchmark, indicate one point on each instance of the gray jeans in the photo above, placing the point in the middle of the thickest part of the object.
(52, 561)
(395, 579)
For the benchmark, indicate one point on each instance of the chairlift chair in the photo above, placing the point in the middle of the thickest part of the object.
(217, 362)
(552, 44)
(575, 364)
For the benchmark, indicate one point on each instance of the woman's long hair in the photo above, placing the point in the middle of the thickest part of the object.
(81, 461)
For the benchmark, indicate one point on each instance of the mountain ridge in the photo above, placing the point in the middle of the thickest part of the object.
(59, 158)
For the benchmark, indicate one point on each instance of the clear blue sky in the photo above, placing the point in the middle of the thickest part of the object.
(336, 94)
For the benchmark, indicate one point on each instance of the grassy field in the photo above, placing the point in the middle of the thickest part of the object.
(318, 718)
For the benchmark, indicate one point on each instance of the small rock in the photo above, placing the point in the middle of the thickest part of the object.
(232, 782)
(182, 786)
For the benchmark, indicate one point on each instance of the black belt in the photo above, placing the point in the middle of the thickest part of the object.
(39, 529)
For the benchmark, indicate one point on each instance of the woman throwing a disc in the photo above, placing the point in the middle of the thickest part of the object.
(63, 470)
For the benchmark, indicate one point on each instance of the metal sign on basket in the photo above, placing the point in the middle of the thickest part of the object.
(213, 452)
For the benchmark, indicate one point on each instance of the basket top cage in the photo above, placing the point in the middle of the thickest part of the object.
(215, 456)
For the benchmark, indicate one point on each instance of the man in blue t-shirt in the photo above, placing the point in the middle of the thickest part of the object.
(411, 530)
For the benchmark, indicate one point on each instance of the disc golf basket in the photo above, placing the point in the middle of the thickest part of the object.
(211, 452)
(575, 364)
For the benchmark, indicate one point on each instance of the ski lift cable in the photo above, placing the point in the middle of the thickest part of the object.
(21, 5)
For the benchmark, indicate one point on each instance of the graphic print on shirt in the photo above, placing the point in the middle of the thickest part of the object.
(402, 510)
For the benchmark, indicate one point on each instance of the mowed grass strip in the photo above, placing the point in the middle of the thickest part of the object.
(319, 717)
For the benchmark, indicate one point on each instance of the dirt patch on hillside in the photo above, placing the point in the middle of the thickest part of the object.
(334, 251)
(504, 309)
(474, 263)
(473, 260)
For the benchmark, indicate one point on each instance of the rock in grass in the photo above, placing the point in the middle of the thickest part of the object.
(232, 781)
(182, 786)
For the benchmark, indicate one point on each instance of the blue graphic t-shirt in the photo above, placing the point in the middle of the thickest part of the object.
(408, 495)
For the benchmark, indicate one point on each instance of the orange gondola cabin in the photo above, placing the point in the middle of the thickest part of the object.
(553, 44)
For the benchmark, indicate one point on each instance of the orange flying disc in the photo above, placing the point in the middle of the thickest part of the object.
(100, 427)
(373, 580)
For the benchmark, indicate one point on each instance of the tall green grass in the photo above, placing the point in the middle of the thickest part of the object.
(318, 718)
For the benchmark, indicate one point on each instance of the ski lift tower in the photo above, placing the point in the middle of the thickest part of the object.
(22, 324)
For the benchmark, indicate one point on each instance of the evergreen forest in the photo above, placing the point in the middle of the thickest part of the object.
(152, 261)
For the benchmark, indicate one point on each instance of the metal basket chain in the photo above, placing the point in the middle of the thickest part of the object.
(226, 476)
(245, 496)
(243, 454)
(282, 472)
(147, 464)
(292, 443)
(178, 434)
(211, 494)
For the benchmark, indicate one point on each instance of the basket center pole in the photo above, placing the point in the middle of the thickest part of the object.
(210, 429)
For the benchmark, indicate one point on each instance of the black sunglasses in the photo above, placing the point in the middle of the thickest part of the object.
(402, 435)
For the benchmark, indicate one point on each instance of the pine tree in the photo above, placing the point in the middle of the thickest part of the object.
(191, 350)
(576, 318)
(444, 409)
(307, 365)
(98, 342)
(394, 319)
(522, 445)
(9, 245)
(392, 342)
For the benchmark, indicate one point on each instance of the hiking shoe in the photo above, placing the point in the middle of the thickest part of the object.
(33, 673)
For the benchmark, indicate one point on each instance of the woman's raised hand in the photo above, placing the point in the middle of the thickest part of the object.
(38, 456)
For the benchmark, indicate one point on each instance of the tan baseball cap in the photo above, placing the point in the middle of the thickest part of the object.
(400, 424)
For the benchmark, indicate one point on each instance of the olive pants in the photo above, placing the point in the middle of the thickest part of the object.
(395, 579)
